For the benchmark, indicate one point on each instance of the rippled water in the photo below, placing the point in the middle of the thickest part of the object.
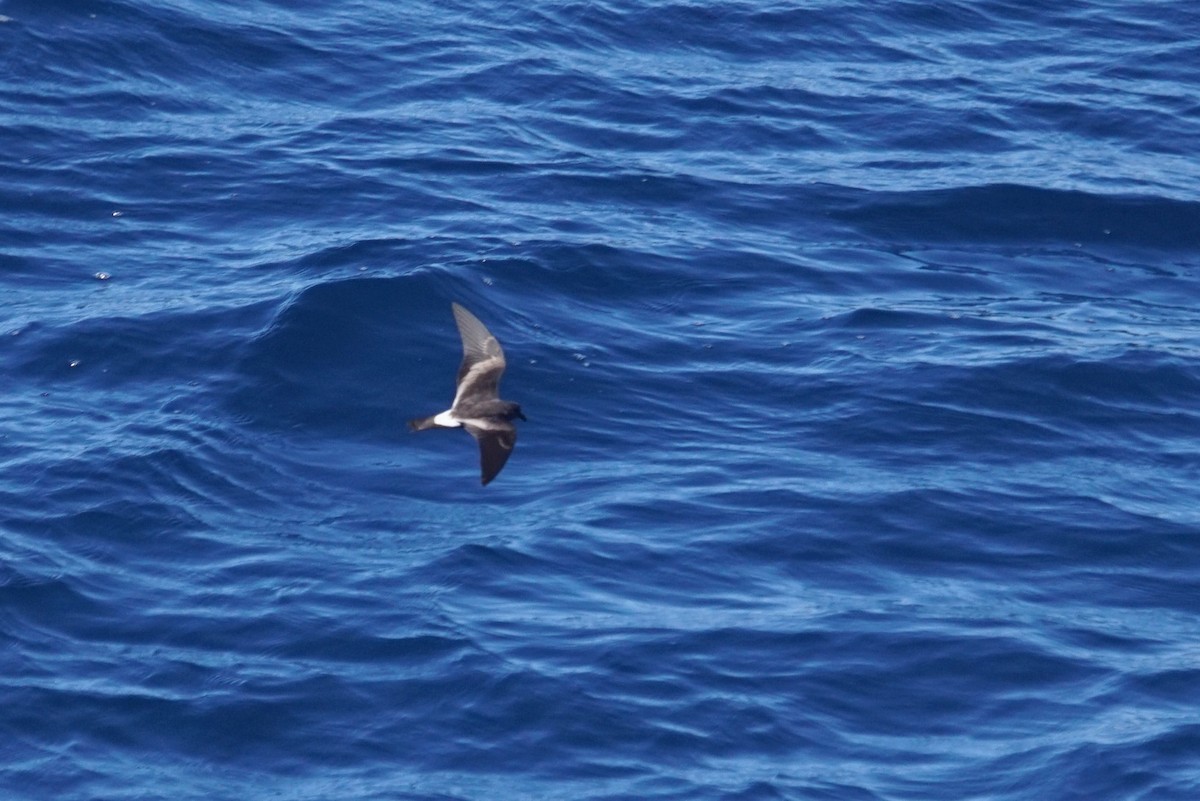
(860, 346)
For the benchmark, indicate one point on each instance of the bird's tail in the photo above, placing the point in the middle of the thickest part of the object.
(422, 423)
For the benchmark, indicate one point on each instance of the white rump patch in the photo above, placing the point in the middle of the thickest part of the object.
(446, 420)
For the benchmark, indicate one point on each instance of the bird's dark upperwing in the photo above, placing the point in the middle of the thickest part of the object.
(483, 359)
(496, 444)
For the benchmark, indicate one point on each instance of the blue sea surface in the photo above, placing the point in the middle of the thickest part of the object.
(860, 347)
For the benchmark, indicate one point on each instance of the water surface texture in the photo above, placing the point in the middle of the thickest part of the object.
(860, 347)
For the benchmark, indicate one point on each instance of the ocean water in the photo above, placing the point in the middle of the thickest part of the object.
(860, 347)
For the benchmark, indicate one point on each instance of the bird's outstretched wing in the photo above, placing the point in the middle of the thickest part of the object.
(495, 446)
(483, 359)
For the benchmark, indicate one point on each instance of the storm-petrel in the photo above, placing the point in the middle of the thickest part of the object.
(477, 406)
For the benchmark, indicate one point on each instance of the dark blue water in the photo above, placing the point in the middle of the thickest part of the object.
(860, 346)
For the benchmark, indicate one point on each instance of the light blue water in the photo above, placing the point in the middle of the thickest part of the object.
(860, 346)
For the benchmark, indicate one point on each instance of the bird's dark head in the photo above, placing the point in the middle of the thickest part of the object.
(514, 411)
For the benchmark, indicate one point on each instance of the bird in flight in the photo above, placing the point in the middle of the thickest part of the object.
(477, 406)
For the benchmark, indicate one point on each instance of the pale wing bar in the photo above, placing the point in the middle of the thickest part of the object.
(478, 342)
(483, 359)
